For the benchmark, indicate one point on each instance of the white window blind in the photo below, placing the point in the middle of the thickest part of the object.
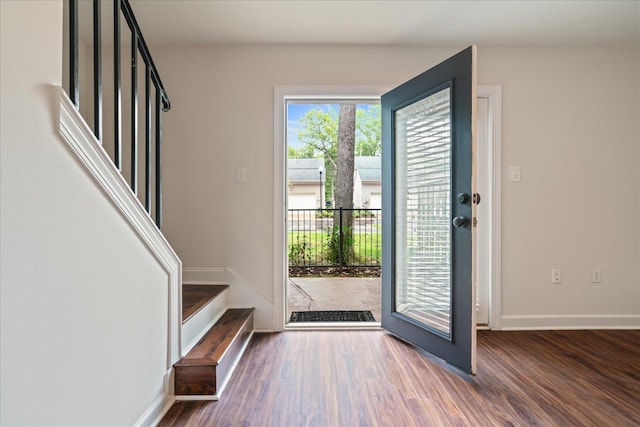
(423, 204)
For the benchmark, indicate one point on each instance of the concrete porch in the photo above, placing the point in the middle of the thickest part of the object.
(334, 293)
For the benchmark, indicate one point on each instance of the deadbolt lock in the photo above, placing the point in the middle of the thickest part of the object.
(462, 198)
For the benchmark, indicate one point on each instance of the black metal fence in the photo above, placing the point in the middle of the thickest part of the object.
(83, 30)
(334, 237)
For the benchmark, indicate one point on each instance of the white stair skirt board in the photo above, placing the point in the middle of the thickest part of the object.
(90, 154)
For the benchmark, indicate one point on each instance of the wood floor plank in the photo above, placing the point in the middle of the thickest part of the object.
(369, 378)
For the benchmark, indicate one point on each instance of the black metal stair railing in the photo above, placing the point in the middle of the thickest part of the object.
(158, 101)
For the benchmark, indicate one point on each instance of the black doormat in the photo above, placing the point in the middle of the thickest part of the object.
(332, 316)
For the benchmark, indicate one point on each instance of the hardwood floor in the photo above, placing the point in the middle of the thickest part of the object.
(369, 378)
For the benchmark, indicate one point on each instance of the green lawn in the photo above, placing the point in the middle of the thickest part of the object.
(310, 248)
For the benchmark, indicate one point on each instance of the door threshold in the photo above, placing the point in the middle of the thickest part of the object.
(332, 326)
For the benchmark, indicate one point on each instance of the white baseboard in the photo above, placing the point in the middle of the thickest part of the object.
(198, 397)
(156, 411)
(569, 322)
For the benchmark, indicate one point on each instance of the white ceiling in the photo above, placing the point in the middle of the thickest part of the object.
(514, 22)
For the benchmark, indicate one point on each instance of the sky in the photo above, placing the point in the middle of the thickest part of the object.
(294, 113)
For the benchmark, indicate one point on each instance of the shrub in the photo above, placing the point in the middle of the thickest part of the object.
(299, 252)
(337, 255)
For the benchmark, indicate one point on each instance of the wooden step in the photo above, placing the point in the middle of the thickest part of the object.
(195, 297)
(204, 371)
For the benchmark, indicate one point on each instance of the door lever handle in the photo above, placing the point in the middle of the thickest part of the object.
(460, 221)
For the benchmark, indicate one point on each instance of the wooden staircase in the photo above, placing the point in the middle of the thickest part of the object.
(207, 366)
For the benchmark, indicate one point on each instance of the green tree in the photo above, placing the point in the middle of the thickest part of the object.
(318, 135)
(303, 152)
(368, 139)
(319, 131)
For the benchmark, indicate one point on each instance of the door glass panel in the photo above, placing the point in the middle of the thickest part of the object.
(423, 208)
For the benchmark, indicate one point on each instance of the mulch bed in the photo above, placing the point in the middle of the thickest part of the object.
(325, 271)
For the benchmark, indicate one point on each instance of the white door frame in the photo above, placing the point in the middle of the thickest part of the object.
(282, 94)
(493, 164)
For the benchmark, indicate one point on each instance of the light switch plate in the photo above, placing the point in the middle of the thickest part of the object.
(241, 175)
(514, 173)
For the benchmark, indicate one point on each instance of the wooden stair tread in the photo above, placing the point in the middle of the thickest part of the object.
(212, 347)
(208, 366)
(195, 297)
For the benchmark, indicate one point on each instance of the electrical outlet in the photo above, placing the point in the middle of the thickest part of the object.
(556, 276)
(595, 275)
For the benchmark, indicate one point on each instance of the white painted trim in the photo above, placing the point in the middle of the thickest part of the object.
(75, 132)
(332, 326)
(279, 209)
(197, 397)
(493, 93)
(570, 322)
(156, 411)
(281, 94)
(474, 231)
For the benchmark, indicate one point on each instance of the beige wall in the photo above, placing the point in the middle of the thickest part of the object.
(569, 121)
(84, 304)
